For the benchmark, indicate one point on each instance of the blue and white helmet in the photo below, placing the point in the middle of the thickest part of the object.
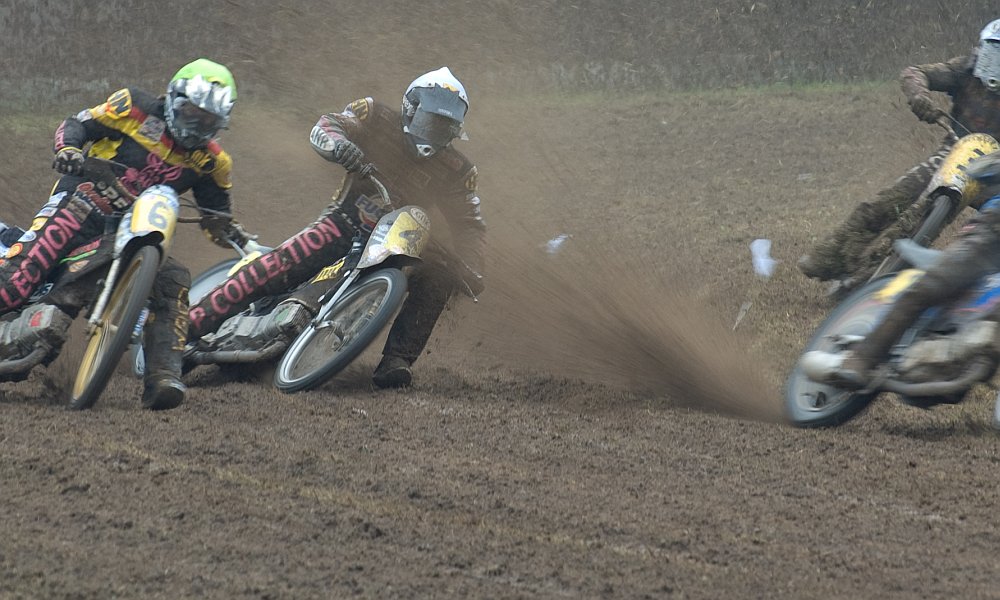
(987, 67)
(434, 109)
(200, 98)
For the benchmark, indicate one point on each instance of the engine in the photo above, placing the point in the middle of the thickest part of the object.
(944, 357)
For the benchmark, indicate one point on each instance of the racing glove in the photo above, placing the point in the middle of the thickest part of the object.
(924, 108)
(68, 160)
(220, 230)
(347, 154)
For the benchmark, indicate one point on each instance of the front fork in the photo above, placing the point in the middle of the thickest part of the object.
(108, 284)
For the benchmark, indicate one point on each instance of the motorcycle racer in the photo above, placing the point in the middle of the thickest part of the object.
(166, 140)
(418, 164)
(973, 83)
(975, 254)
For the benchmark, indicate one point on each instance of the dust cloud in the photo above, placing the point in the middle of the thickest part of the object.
(586, 313)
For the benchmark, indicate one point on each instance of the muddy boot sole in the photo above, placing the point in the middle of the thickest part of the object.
(163, 395)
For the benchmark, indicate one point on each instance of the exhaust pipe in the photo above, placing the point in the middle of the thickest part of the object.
(237, 356)
(22, 365)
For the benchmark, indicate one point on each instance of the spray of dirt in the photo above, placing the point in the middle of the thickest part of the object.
(594, 315)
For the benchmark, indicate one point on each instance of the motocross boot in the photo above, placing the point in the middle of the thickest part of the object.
(164, 337)
(392, 372)
(162, 388)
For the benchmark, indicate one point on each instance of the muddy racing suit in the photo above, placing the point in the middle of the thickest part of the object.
(130, 129)
(446, 181)
(850, 248)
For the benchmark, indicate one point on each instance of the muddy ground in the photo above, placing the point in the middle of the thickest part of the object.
(597, 426)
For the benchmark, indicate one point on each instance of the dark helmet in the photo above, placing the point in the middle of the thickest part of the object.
(987, 67)
(434, 108)
(200, 98)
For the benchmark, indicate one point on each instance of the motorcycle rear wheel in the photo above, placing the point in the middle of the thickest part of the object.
(346, 330)
(111, 336)
(810, 404)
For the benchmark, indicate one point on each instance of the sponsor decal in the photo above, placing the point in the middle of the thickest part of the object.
(420, 217)
(14, 250)
(76, 267)
(378, 236)
(48, 211)
(231, 296)
(201, 160)
(36, 320)
(155, 172)
(29, 236)
(359, 108)
(369, 212)
(84, 249)
(152, 129)
(87, 193)
(321, 139)
(119, 104)
(38, 223)
(40, 258)
(41, 292)
(472, 180)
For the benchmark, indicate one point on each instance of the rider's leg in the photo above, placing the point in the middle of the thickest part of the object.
(284, 268)
(62, 224)
(840, 253)
(430, 287)
(164, 337)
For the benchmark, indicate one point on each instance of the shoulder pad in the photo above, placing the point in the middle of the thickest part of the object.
(119, 104)
(360, 108)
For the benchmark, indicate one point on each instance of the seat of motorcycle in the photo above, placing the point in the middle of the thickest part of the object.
(920, 257)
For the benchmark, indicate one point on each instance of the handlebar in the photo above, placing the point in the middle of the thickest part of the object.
(946, 121)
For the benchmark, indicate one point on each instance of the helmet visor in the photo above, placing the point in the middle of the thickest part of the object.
(194, 120)
(437, 130)
(987, 67)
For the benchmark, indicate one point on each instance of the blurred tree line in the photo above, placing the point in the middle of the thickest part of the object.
(57, 51)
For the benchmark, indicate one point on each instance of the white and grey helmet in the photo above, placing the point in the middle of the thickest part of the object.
(434, 108)
(200, 98)
(987, 67)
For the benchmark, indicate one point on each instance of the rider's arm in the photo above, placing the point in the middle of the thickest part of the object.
(90, 124)
(465, 221)
(946, 77)
(338, 126)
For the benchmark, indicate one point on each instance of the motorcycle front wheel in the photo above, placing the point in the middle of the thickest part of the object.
(344, 331)
(112, 334)
(812, 404)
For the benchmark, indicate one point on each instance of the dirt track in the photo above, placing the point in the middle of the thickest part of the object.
(539, 453)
